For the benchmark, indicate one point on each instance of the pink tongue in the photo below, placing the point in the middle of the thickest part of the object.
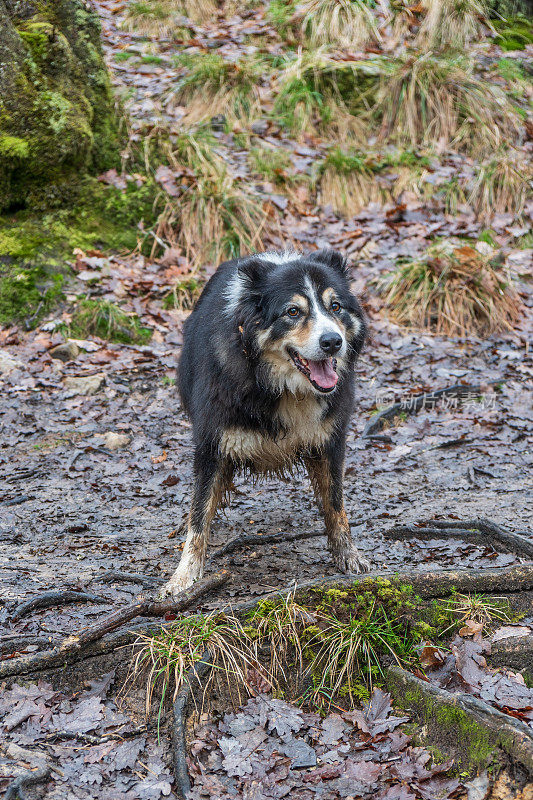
(323, 374)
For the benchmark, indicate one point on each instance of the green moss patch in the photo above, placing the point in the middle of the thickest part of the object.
(35, 249)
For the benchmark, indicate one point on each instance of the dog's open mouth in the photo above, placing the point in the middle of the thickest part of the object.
(321, 374)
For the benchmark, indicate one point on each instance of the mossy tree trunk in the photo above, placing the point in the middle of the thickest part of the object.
(57, 119)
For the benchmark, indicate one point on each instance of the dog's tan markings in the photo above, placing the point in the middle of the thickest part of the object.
(328, 295)
(300, 301)
(340, 543)
(303, 430)
(203, 509)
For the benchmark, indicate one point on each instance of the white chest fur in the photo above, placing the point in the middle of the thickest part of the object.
(302, 430)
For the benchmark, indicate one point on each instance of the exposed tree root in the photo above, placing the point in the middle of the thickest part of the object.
(15, 790)
(426, 584)
(129, 577)
(435, 706)
(515, 652)
(14, 643)
(146, 608)
(247, 539)
(475, 530)
(48, 599)
(416, 402)
(180, 710)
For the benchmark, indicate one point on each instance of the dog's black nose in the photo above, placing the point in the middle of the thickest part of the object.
(330, 343)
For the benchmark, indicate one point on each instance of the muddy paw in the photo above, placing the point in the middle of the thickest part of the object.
(350, 560)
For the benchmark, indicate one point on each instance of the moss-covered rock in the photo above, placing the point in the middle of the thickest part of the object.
(57, 118)
(35, 248)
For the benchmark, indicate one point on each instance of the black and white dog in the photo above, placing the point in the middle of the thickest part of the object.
(267, 378)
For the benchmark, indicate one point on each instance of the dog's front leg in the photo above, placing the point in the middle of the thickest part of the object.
(326, 472)
(212, 478)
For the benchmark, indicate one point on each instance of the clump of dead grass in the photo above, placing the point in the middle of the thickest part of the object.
(500, 185)
(344, 23)
(319, 94)
(213, 86)
(429, 99)
(451, 23)
(453, 290)
(215, 217)
(160, 18)
(347, 182)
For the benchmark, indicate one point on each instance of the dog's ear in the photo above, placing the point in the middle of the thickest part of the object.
(333, 260)
(251, 271)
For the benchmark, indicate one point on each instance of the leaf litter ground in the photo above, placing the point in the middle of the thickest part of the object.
(77, 501)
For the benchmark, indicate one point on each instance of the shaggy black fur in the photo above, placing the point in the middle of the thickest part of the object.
(225, 384)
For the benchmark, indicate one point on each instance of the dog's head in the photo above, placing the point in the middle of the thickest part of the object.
(299, 320)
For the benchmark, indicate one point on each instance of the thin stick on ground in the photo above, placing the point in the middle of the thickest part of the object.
(247, 539)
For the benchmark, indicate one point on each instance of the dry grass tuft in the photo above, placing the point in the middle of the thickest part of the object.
(214, 218)
(451, 23)
(348, 183)
(161, 17)
(500, 185)
(428, 99)
(214, 86)
(345, 23)
(320, 95)
(452, 290)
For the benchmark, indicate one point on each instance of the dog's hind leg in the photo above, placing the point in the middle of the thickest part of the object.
(326, 472)
(212, 480)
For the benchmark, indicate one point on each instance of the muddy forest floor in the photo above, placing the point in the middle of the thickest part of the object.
(77, 500)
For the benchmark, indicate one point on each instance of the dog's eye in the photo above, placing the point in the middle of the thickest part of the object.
(293, 311)
(335, 307)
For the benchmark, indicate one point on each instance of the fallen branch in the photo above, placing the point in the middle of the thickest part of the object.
(15, 790)
(88, 738)
(476, 530)
(49, 599)
(146, 608)
(129, 577)
(414, 403)
(445, 711)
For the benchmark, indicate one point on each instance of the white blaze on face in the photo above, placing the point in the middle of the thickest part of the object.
(321, 323)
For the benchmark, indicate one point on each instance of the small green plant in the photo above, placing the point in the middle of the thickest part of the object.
(215, 218)
(428, 98)
(347, 181)
(452, 23)
(510, 70)
(514, 33)
(318, 93)
(216, 639)
(273, 165)
(106, 320)
(500, 185)
(184, 294)
(477, 607)
(158, 18)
